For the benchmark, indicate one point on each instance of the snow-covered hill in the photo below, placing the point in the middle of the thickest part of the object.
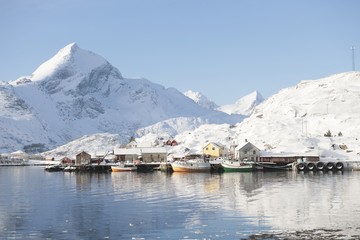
(298, 117)
(78, 93)
(294, 121)
(244, 106)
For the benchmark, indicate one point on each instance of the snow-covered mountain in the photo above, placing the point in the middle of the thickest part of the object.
(78, 93)
(200, 99)
(298, 117)
(294, 120)
(244, 106)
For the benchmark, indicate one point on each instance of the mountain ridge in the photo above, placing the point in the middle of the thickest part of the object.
(77, 93)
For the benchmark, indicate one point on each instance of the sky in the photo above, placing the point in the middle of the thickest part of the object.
(224, 49)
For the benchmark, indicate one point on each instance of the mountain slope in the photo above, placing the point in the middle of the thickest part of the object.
(294, 121)
(78, 93)
(302, 114)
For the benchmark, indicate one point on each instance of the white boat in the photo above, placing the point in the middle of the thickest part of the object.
(191, 165)
(124, 167)
(237, 166)
(69, 169)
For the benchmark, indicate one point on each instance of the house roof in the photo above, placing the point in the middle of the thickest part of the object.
(219, 145)
(139, 151)
(83, 152)
(289, 154)
(154, 150)
(245, 146)
(127, 151)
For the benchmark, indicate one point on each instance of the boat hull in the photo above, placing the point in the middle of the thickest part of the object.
(123, 169)
(237, 167)
(187, 169)
(191, 166)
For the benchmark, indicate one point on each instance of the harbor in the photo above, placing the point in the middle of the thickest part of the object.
(199, 165)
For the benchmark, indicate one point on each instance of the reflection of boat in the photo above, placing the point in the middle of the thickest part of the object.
(237, 166)
(54, 168)
(124, 167)
(191, 165)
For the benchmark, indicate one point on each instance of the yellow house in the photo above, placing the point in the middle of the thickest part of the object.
(214, 150)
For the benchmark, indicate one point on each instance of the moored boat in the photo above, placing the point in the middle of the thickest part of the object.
(54, 168)
(191, 165)
(273, 166)
(124, 167)
(237, 166)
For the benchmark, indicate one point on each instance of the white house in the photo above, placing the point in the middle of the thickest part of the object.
(247, 151)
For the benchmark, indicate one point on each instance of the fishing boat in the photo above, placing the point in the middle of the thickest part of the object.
(54, 168)
(237, 166)
(268, 166)
(191, 165)
(124, 167)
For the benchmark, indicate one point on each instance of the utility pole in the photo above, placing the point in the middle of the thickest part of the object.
(353, 57)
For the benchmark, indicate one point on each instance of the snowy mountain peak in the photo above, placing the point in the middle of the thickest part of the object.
(70, 60)
(255, 95)
(245, 105)
(77, 92)
(200, 99)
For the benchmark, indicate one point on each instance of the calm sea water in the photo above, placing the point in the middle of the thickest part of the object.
(35, 204)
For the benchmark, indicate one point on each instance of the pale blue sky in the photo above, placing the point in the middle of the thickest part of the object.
(224, 48)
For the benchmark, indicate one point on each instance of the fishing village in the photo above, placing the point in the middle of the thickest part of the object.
(144, 157)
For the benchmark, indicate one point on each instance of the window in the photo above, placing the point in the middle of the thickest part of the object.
(254, 152)
(213, 148)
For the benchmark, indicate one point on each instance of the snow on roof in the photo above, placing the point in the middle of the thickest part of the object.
(139, 151)
(144, 145)
(154, 150)
(242, 145)
(219, 145)
(127, 151)
(289, 154)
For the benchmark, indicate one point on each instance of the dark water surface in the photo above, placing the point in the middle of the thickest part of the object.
(35, 204)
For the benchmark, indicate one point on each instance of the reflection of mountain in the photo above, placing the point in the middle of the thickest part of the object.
(295, 201)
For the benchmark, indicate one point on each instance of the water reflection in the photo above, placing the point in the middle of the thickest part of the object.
(291, 200)
(35, 204)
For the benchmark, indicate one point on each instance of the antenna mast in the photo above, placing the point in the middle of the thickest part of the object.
(353, 57)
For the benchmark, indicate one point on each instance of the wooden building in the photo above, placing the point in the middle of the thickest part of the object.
(127, 154)
(66, 160)
(284, 158)
(214, 150)
(83, 158)
(154, 154)
(146, 154)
